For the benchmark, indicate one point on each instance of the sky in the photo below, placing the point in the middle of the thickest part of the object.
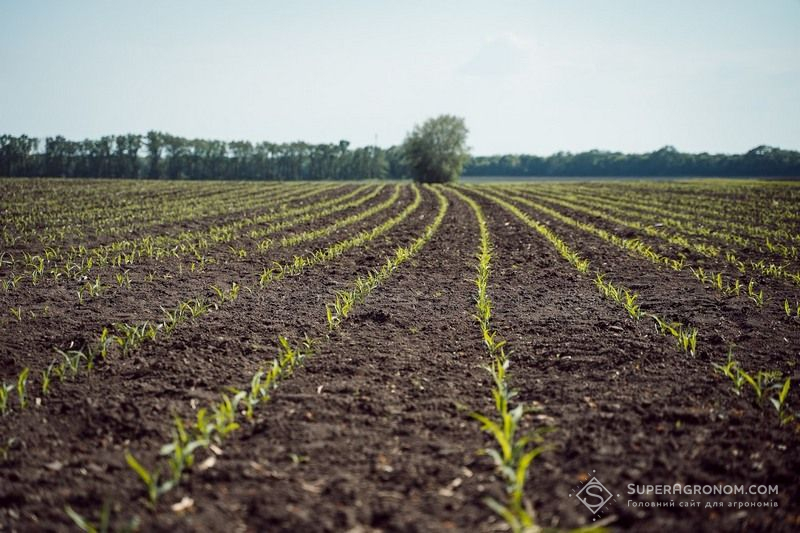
(528, 77)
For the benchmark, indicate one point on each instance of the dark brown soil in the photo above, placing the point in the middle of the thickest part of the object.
(372, 432)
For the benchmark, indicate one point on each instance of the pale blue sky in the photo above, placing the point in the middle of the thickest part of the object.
(528, 76)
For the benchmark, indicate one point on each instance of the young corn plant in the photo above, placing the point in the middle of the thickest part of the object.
(621, 295)
(761, 383)
(686, 337)
(123, 278)
(22, 388)
(150, 479)
(94, 289)
(5, 392)
(729, 369)
(85, 525)
(72, 362)
(46, 379)
(757, 297)
(513, 456)
(779, 403)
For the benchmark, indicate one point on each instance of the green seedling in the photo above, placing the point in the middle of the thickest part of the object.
(633, 309)
(94, 289)
(150, 479)
(779, 402)
(72, 361)
(123, 278)
(220, 294)
(22, 388)
(46, 379)
(89, 527)
(757, 297)
(760, 382)
(5, 392)
(6, 449)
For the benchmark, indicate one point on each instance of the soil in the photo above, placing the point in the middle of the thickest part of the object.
(372, 433)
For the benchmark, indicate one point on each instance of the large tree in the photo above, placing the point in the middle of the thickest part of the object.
(437, 150)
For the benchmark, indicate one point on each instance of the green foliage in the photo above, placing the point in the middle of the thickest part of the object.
(436, 150)
(763, 383)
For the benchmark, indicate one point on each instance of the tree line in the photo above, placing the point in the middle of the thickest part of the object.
(158, 155)
(760, 161)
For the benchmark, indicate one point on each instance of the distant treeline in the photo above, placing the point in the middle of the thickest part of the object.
(760, 161)
(159, 155)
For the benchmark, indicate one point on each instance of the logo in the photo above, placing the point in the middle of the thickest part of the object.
(594, 495)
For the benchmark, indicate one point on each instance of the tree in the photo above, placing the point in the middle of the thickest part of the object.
(436, 151)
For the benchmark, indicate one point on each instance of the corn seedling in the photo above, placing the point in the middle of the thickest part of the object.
(791, 311)
(94, 289)
(46, 379)
(4, 450)
(72, 361)
(686, 337)
(129, 337)
(11, 282)
(760, 381)
(16, 312)
(103, 526)
(5, 391)
(757, 297)
(150, 479)
(123, 278)
(621, 295)
(779, 402)
(729, 368)
(22, 388)
(180, 451)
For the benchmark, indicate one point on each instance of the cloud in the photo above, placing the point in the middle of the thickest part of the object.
(499, 57)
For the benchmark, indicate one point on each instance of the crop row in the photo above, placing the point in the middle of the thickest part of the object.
(769, 204)
(213, 424)
(123, 279)
(515, 450)
(649, 224)
(79, 261)
(124, 252)
(686, 336)
(766, 246)
(72, 221)
(683, 229)
(131, 336)
(643, 250)
(754, 225)
(300, 263)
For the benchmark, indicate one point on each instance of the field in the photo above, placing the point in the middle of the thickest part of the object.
(371, 356)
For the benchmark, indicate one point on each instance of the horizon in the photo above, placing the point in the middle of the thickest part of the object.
(718, 78)
(142, 151)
